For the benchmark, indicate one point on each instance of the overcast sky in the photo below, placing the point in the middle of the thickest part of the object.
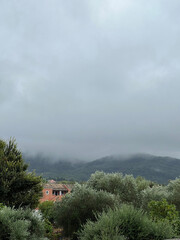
(90, 78)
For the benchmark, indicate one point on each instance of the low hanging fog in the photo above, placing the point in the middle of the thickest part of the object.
(86, 79)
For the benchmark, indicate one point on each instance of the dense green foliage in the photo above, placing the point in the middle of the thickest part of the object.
(156, 193)
(162, 210)
(80, 205)
(127, 187)
(1, 206)
(109, 206)
(17, 187)
(20, 224)
(48, 229)
(128, 222)
(174, 192)
(47, 210)
(109, 191)
(158, 169)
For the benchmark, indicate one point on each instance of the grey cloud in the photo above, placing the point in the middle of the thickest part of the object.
(90, 78)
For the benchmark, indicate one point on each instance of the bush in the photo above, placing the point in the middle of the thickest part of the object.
(124, 186)
(1, 206)
(174, 192)
(47, 210)
(127, 222)
(48, 228)
(80, 205)
(21, 224)
(163, 210)
(156, 193)
(142, 183)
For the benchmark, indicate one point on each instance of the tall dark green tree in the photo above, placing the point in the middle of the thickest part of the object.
(18, 188)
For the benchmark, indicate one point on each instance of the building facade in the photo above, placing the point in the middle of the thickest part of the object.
(53, 191)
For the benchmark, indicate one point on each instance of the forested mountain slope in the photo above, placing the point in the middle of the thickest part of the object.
(155, 168)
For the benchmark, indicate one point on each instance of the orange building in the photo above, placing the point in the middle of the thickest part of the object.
(53, 191)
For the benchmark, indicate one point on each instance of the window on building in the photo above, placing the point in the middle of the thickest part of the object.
(56, 192)
(59, 192)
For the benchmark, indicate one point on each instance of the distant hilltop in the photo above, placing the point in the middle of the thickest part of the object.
(156, 168)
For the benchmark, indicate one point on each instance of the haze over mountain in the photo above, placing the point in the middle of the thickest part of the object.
(155, 168)
(84, 79)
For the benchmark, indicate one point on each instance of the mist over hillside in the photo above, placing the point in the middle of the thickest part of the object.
(155, 168)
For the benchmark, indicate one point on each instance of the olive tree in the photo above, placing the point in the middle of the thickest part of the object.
(21, 224)
(124, 186)
(82, 204)
(174, 192)
(125, 222)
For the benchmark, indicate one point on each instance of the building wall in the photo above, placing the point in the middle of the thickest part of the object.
(48, 195)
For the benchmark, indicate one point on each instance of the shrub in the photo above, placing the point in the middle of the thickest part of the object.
(48, 228)
(174, 192)
(1, 206)
(47, 210)
(124, 186)
(163, 210)
(142, 183)
(80, 205)
(20, 224)
(156, 193)
(127, 222)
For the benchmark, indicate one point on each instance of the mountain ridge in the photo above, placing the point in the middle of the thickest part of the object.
(156, 168)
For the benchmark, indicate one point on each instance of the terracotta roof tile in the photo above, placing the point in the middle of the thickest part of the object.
(55, 186)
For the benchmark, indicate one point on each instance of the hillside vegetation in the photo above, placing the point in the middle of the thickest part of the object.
(107, 206)
(154, 168)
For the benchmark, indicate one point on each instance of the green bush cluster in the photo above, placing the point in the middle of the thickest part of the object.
(48, 229)
(156, 193)
(21, 224)
(117, 207)
(47, 210)
(125, 222)
(1, 206)
(174, 192)
(80, 205)
(129, 189)
(162, 210)
(116, 183)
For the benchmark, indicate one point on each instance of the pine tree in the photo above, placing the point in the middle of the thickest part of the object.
(18, 188)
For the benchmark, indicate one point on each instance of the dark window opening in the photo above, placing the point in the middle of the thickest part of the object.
(55, 192)
(59, 192)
